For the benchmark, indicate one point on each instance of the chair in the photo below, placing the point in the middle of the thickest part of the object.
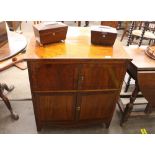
(126, 30)
(141, 30)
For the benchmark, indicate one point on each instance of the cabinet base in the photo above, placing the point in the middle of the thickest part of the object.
(105, 124)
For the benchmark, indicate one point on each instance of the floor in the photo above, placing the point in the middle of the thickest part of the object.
(22, 104)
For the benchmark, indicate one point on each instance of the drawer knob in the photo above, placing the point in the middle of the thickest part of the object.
(53, 34)
(82, 78)
(78, 108)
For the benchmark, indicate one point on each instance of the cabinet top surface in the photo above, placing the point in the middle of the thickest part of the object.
(77, 45)
(140, 59)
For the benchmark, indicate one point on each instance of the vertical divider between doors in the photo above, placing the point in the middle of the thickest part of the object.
(78, 98)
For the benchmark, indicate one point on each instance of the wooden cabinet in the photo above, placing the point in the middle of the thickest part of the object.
(75, 92)
(75, 83)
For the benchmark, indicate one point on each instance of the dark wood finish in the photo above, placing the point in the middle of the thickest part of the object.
(72, 86)
(97, 106)
(60, 73)
(102, 36)
(142, 70)
(58, 107)
(110, 23)
(50, 33)
(147, 86)
(92, 75)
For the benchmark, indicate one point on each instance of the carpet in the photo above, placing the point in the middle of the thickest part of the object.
(18, 78)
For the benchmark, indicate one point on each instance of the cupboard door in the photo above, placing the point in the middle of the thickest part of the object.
(55, 107)
(97, 106)
(101, 76)
(47, 76)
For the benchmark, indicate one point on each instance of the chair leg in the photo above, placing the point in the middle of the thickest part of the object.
(127, 84)
(124, 33)
(86, 23)
(6, 101)
(150, 41)
(79, 23)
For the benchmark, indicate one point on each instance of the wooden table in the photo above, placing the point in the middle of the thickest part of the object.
(142, 70)
(15, 45)
(75, 83)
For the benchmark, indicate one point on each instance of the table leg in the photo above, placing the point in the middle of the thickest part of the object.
(129, 106)
(79, 23)
(6, 101)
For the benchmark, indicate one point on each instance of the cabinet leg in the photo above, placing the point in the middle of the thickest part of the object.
(107, 124)
(6, 101)
(39, 127)
(129, 106)
(148, 109)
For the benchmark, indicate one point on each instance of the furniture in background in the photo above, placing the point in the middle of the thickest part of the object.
(110, 23)
(36, 22)
(74, 83)
(86, 23)
(142, 30)
(14, 25)
(125, 29)
(142, 70)
(11, 55)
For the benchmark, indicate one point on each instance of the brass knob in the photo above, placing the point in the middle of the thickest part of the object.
(82, 78)
(78, 108)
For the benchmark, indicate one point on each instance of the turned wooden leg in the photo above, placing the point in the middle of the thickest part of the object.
(129, 106)
(79, 23)
(86, 23)
(130, 33)
(127, 84)
(6, 101)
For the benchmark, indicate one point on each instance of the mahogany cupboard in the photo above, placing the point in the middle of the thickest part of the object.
(70, 88)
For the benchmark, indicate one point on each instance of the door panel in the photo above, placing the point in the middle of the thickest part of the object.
(56, 107)
(101, 76)
(48, 76)
(97, 105)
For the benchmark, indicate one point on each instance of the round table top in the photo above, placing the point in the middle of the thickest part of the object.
(16, 44)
